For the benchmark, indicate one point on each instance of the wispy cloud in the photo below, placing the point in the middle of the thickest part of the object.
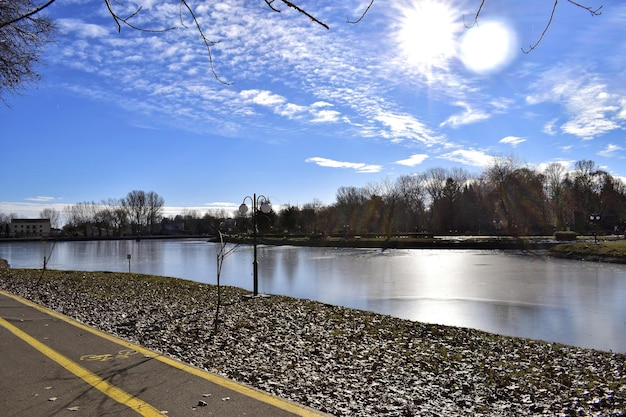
(413, 160)
(357, 166)
(592, 106)
(30, 209)
(469, 157)
(512, 140)
(81, 29)
(42, 199)
(468, 116)
(612, 151)
(400, 127)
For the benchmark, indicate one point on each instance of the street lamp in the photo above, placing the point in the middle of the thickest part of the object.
(261, 203)
(595, 218)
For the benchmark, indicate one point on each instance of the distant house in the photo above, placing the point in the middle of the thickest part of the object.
(29, 228)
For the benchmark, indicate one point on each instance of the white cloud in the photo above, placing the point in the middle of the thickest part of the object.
(468, 116)
(357, 166)
(469, 157)
(325, 116)
(404, 126)
(512, 140)
(321, 104)
(41, 199)
(413, 160)
(590, 107)
(28, 210)
(263, 97)
(82, 29)
(567, 164)
(549, 128)
(292, 110)
(611, 151)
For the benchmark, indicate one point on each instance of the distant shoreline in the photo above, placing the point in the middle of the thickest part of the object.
(611, 251)
(393, 242)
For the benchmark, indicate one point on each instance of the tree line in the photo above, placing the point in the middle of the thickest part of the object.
(138, 213)
(507, 198)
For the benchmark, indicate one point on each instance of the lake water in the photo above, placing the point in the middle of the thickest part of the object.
(512, 293)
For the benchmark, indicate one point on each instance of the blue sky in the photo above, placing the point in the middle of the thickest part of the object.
(309, 110)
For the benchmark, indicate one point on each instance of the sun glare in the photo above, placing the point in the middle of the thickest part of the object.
(427, 32)
(432, 33)
(487, 47)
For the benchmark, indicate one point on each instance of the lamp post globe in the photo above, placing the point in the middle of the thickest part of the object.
(266, 207)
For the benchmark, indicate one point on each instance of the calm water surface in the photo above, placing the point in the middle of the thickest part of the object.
(512, 293)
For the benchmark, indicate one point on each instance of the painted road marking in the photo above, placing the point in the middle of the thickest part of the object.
(119, 395)
(122, 354)
(285, 405)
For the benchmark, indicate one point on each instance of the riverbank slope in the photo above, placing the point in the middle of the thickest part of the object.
(341, 361)
(602, 251)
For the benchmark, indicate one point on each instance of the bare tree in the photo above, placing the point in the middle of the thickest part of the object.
(81, 216)
(412, 197)
(23, 34)
(114, 215)
(144, 209)
(135, 205)
(51, 214)
(155, 205)
(555, 174)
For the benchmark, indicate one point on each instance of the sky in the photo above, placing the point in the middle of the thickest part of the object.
(298, 110)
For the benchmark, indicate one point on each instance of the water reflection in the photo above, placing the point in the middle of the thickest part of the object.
(513, 293)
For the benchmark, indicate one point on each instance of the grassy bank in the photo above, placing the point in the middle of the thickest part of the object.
(401, 242)
(602, 251)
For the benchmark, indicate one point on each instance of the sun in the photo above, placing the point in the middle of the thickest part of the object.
(427, 33)
(431, 34)
(487, 47)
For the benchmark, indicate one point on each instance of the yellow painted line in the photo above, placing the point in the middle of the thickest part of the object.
(121, 396)
(291, 407)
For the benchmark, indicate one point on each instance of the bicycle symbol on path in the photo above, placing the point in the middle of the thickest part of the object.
(122, 354)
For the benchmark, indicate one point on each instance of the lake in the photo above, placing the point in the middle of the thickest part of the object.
(507, 292)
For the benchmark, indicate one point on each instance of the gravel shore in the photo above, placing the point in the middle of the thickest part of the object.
(341, 361)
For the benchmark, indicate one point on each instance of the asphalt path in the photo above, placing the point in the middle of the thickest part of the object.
(52, 365)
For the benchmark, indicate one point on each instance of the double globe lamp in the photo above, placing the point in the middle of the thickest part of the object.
(261, 203)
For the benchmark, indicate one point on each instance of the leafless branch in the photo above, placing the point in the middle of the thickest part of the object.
(545, 29)
(208, 43)
(26, 15)
(480, 9)
(269, 3)
(593, 11)
(126, 20)
(363, 14)
(299, 9)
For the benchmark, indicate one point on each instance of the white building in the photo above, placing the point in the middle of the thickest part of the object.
(29, 228)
